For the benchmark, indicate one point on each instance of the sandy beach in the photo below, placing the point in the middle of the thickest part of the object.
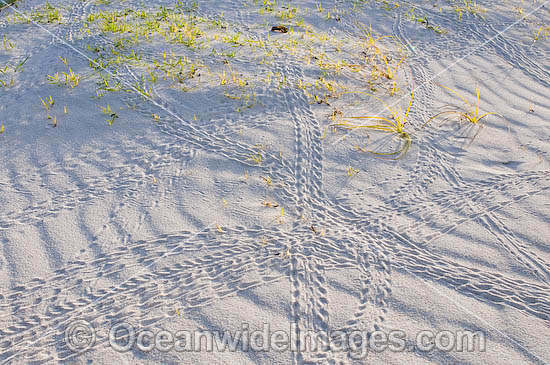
(267, 182)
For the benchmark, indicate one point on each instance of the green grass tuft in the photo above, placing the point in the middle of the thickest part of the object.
(394, 125)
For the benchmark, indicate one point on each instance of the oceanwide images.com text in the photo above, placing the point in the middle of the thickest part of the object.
(122, 337)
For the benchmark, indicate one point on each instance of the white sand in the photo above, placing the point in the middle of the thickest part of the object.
(170, 224)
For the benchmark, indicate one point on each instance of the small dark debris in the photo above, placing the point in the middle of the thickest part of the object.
(279, 29)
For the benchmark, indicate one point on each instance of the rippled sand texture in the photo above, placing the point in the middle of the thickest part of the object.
(207, 204)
